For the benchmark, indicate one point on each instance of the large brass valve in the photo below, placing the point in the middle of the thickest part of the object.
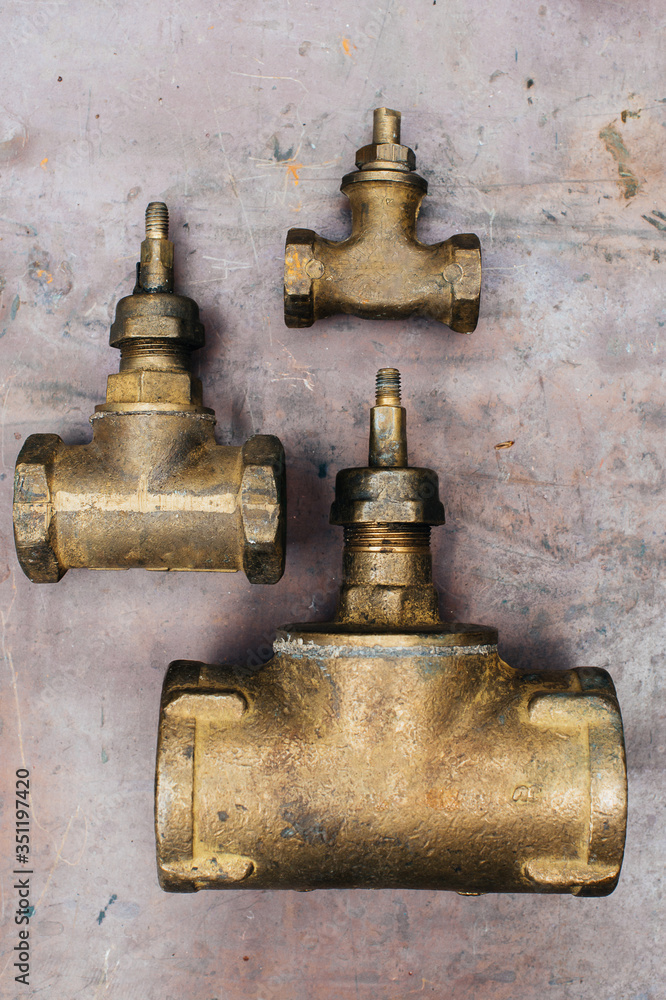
(382, 270)
(389, 748)
(153, 488)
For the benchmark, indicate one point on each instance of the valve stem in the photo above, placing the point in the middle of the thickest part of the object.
(388, 387)
(155, 272)
(386, 125)
(388, 423)
(157, 221)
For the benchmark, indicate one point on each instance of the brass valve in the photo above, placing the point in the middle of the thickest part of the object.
(382, 270)
(389, 748)
(152, 489)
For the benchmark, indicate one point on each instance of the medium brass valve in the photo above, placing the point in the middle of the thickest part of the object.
(388, 748)
(383, 271)
(152, 488)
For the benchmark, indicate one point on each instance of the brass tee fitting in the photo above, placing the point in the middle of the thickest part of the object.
(383, 271)
(388, 748)
(152, 488)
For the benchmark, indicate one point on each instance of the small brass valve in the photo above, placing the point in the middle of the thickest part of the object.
(382, 270)
(388, 748)
(152, 489)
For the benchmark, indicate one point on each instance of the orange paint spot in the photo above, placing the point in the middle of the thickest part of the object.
(44, 162)
(49, 276)
(347, 46)
(293, 168)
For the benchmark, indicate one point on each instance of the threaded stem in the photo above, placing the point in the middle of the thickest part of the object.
(157, 221)
(387, 537)
(385, 125)
(388, 387)
(152, 354)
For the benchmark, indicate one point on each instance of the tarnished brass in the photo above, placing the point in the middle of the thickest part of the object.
(152, 488)
(382, 270)
(388, 748)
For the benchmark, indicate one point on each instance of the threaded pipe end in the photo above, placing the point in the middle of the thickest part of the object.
(153, 354)
(157, 221)
(387, 537)
(388, 387)
(386, 125)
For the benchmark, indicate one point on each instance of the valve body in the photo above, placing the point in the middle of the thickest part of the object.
(382, 270)
(388, 748)
(409, 760)
(152, 489)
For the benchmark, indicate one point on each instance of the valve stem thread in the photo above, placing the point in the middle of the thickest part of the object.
(385, 126)
(387, 537)
(388, 387)
(157, 221)
(153, 354)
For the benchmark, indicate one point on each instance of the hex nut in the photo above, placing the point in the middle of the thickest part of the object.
(137, 386)
(465, 270)
(403, 157)
(263, 508)
(299, 257)
(377, 604)
(157, 251)
(33, 508)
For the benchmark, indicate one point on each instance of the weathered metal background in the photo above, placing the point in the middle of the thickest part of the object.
(541, 128)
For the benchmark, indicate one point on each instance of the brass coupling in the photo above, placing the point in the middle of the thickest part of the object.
(389, 748)
(152, 489)
(382, 270)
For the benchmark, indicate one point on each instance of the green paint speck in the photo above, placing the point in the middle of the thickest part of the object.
(14, 307)
(105, 756)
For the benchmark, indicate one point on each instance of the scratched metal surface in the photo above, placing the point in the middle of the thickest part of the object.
(243, 117)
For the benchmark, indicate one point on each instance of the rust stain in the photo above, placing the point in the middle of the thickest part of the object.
(630, 114)
(442, 798)
(614, 143)
(504, 444)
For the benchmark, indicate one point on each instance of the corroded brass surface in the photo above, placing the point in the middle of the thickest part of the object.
(382, 270)
(152, 488)
(388, 748)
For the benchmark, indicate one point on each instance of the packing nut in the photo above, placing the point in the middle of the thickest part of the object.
(158, 316)
(263, 508)
(384, 153)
